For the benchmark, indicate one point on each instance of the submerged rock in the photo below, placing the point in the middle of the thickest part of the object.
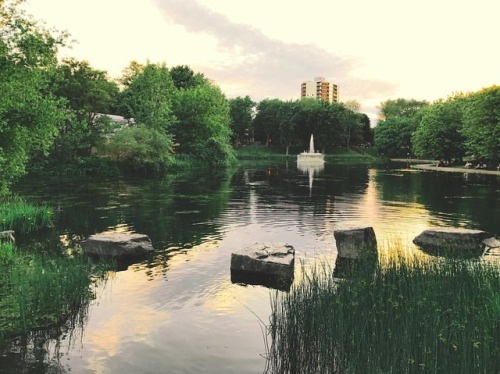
(120, 246)
(267, 264)
(451, 240)
(356, 242)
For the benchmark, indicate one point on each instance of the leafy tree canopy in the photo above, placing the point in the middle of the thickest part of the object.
(29, 113)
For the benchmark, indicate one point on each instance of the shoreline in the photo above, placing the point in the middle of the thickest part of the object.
(427, 165)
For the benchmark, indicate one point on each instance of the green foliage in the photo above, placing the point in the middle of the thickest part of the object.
(400, 108)
(22, 217)
(393, 136)
(439, 317)
(482, 123)
(438, 135)
(42, 290)
(203, 127)
(148, 97)
(241, 112)
(141, 149)
(29, 114)
(6, 251)
(87, 92)
(184, 77)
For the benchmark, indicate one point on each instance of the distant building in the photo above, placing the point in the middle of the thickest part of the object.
(321, 89)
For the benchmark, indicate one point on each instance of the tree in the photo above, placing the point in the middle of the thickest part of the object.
(29, 113)
(88, 93)
(266, 121)
(393, 136)
(141, 149)
(482, 123)
(241, 113)
(148, 97)
(438, 136)
(203, 127)
(400, 108)
(184, 77)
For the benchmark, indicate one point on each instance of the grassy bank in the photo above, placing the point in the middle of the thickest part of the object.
(404, 317)
(274, 153)
(40, 290)
(23, 217)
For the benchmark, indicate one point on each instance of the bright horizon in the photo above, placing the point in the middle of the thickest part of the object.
(374, 51)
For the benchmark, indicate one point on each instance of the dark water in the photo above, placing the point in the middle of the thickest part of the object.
(180, 312)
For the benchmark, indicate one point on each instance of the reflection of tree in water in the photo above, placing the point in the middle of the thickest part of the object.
(39, 352)
(470, 200)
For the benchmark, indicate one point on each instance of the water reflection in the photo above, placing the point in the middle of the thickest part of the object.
(179, 312)
(311, 169)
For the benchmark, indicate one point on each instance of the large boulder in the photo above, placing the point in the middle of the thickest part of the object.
(120, 246)
(267, 264)
(452, 241)
(356, 243)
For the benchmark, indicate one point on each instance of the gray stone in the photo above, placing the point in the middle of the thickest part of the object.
(492, 247)
(118, 245)
(356, 242)
(450, 239)
(8, 234)
(265, 258)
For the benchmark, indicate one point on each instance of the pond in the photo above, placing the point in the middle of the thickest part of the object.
(179, 312)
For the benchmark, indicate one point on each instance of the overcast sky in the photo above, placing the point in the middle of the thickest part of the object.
(374, 50)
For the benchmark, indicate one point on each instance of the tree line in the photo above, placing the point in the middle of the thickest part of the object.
(51, 111)
(463, 125)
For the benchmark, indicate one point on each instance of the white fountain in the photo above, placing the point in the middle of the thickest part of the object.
(311, 157)
(311, 162)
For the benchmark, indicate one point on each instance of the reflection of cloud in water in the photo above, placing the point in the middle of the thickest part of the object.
(126, 315)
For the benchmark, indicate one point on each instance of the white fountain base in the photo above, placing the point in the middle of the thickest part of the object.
(311, 158)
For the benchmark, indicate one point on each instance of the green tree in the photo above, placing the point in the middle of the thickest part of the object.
(184, 77)
(29, 113)
(266, 121)
(203, 128)
(393, 136)
(241, 112)
(148, 97)
(400, 108)
(88, 93)
(141, 149)
(438, 136)
(482, 123)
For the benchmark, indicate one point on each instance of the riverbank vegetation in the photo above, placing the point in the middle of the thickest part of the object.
(439, 316)
(39, 289)
(465, 125)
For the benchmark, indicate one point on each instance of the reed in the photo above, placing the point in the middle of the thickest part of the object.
(22, 217)
(42, 290)
(418, 316)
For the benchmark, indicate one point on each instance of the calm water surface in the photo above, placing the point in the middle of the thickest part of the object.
(180, 312)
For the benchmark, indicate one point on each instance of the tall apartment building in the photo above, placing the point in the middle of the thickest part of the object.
(320, 88)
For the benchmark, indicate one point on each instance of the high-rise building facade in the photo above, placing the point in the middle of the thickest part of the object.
(321, 89)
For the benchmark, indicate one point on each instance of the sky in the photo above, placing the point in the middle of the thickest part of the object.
(373, 50)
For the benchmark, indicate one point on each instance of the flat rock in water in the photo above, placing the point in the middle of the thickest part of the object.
(267, 263)
(118, 245)
(452, 239)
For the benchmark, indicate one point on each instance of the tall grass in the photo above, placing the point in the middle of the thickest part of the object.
(402, 317)
(41, 290)
(23, 217)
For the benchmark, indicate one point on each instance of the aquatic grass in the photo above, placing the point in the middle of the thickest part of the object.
(41, 290)
(23, 217)
(418, 316)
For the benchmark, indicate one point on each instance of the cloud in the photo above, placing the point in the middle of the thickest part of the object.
(260, 66)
